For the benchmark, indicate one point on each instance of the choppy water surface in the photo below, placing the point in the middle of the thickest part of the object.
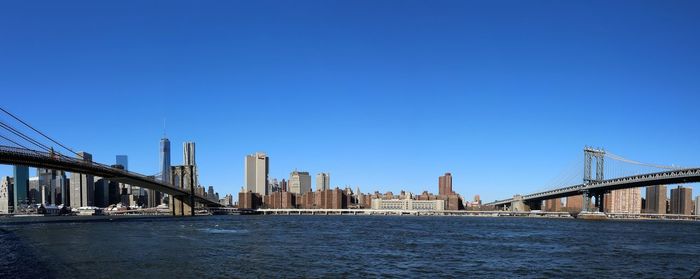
(349, 246)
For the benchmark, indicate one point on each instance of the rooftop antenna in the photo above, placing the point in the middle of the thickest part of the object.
(164, 135)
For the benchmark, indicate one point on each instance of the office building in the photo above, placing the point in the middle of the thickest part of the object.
(445, 185)
(623, 201)
(20, 188)
(101, 192)
(123, 160)
(56, 186)
(283, 185)
(164, 159)
(6, 195)
(299, 182)
(697, 206)
(323, 181)
(681, 200)
(656, 199)
(82, 186)
(256, 173)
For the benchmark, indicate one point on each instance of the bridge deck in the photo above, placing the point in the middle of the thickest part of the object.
(37, 159)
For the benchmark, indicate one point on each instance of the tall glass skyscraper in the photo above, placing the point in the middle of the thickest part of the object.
(21, 187)
(124, 161)
(165, 160)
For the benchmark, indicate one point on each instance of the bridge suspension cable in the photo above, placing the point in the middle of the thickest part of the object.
(23, 136)
(39, 132)
(623, 159)
(14, 142)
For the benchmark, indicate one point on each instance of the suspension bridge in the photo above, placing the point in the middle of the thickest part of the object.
(21, 144)
(625, 173)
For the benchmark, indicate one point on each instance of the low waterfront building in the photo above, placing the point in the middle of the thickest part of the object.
(408, 204)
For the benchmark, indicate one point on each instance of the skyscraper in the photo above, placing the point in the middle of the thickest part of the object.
(124, 161)
(256, 171)
(681, 200)
(697, 205)
(82, 186)
(210, 194)
(21, 187)
(323, 181)
(445, 184)
(165, 160)
(299, 182)
(283, 185)
(656, 199)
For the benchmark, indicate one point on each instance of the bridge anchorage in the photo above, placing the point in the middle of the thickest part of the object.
(588, 193)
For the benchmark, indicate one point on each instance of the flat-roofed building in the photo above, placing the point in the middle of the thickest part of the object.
(656, 199)
(408, 204)
(681, 200)
(624, 201)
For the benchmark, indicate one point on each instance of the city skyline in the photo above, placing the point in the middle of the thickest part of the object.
(477, 94)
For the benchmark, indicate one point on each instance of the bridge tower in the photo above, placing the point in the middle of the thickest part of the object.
(589, 154)
(183, 177)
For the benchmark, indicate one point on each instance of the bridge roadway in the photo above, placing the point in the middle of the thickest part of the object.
(37, 159)
(688, 175)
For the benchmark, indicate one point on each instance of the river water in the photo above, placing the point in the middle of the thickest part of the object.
(348, 246)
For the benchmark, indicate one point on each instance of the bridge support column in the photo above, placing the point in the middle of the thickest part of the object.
(181, 206)
(586, 202)
(518, 205)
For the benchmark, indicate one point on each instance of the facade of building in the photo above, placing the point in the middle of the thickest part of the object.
(21, 187)
(552, 205)
(408, 204)
(623, 201)
(55, 184)
(123, 160)
(82, 186)
(681, 200)
(299, 182)
(656, 199)
(574, 203)
(164, 159)
(6, 195)
(697, 205)
(256, 173)
(101, 192)
(211, 195)
(249, 200)
(323, 181)
(445, 185)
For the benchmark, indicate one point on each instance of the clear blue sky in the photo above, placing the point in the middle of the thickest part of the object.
(385, 95)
